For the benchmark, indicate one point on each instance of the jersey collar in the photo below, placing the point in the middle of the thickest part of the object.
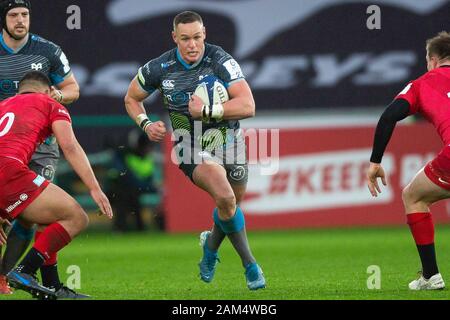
(10, 50)
(185, 64)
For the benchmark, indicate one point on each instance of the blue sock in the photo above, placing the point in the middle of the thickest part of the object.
(22, 233)
(234, 225)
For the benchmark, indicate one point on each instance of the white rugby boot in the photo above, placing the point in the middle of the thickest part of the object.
(434, 283)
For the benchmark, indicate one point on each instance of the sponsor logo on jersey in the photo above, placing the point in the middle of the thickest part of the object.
(8, 86)
(179, 97)
(233, 69)
(23, 197)
(168, 84)
(36, 66)
(167, 64)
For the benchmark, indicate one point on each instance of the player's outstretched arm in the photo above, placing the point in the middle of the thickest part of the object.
(134, 103)
(77, 158)
(241, 104)
(396, 111)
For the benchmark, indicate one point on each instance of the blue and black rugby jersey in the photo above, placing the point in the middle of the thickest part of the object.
(177, 81)
(37, 54)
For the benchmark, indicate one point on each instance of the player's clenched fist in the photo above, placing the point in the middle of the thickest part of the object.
(195, 107)
(156, 131)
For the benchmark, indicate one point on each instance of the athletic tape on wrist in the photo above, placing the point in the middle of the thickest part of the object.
(205, 113)
(212, 112)
(143, 121)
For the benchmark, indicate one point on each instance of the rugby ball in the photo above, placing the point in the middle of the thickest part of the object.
(212, 91)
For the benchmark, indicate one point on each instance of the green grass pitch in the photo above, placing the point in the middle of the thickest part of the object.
(298, 265)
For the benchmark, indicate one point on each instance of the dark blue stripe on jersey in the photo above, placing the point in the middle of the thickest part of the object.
(187, 66)
(8, 49)
(55, 79)
(151, 89)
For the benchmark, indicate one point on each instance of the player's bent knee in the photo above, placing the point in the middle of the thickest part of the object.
(77, 217)
(226, 205)
(82, 220)
(413, 202)
(408, 196)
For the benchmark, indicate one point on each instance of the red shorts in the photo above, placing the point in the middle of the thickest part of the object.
(19, 186)
(438, 170)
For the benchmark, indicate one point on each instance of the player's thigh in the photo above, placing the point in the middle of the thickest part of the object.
(237, 176)
(212, 178)
(53, 204)
(239, 191)
(423, 189)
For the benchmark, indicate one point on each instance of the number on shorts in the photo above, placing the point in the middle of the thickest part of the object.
(10, 118)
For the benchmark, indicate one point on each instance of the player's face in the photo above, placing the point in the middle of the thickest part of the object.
(18, 22)
(190, 39)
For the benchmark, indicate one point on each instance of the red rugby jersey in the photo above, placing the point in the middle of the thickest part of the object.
(430, 96)
(25, 122)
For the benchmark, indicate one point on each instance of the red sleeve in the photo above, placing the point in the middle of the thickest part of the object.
(58, 112)
(411, 94)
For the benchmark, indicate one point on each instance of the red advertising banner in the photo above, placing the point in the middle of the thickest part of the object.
(318, 181)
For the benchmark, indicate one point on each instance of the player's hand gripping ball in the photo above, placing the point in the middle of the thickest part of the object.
(213, 94)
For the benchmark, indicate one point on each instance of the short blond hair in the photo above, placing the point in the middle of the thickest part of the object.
(439, 46)
(186, 17)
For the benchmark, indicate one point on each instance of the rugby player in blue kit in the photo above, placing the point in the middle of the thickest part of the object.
(176, 74)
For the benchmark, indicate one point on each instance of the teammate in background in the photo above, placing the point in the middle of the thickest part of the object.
(176, 74)
(27, 120)
(429, 95)
(21, 52)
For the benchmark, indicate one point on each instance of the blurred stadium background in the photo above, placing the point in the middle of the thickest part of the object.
(317, 73)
